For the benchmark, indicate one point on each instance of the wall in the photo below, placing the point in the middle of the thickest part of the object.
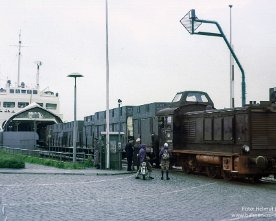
(23, 140)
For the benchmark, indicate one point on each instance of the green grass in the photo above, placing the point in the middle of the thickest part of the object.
(42, 161)
(10, 161)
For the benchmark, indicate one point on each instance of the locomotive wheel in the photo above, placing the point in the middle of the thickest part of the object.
(227, 176)
(213, 172)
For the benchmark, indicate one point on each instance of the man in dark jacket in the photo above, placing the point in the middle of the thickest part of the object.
(129, 154)
(135, 153)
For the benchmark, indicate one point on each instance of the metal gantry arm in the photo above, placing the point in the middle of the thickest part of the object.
(220, 34)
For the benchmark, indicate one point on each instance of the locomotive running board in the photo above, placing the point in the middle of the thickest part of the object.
(223, 154)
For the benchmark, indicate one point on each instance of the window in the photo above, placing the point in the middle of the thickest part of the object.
(29, 91)
(32, 115)
(161, 122)
(177, 97)
(23, 91)
(51, 106)
(34, 91)
(138, 109)
(196, 97)
(204, 98)
(169, 120)
(22, 104)
(12, 91)
(8, 104)
(17, 91)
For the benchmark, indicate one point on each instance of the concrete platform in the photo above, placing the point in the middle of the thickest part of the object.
(41, 169)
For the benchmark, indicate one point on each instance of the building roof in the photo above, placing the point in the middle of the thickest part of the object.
(27, 114)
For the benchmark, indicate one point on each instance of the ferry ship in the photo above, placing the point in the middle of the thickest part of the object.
(16, 96)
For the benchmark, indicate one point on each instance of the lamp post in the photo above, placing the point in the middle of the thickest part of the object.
(75, 76)
(119, 141)
(232, 99)
(107, 87)
(191, 22)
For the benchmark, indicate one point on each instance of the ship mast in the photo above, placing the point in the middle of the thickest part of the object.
(19, 58)
(19, 55)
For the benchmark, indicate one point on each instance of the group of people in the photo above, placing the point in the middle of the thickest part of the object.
(136, 154)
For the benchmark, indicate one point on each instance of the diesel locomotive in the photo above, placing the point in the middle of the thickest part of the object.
(228, 143)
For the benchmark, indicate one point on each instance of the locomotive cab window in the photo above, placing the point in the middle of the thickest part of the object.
(177, 97)
(165, 122)
(196, 97)
(169, 121)
(161, 122)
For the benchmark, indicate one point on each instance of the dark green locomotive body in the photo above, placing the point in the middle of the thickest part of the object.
(239, 142)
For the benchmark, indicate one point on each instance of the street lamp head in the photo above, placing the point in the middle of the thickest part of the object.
(74, 75)
(230, 6)
(38, 63)
(119, 101)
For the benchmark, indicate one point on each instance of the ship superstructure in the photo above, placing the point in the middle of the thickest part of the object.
(15, 97)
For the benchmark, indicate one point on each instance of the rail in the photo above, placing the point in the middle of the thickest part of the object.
(60, 155)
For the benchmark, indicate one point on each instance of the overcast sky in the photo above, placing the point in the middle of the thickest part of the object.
(152, 56)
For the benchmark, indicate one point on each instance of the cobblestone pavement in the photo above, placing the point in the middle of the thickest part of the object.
(185, 197)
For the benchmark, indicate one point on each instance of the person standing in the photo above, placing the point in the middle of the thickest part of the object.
(129, 154)
(164, 156)
(136, 152)
(155, 146)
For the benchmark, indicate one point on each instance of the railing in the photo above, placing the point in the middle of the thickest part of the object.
(68, 156)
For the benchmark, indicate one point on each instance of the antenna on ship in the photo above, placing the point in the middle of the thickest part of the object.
(19, 57)
(38, 64)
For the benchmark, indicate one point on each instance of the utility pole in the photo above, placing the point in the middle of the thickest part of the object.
(107, 88)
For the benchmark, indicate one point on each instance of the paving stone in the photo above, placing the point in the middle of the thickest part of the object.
(122, 197)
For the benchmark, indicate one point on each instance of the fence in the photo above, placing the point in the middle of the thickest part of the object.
(81, 155)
